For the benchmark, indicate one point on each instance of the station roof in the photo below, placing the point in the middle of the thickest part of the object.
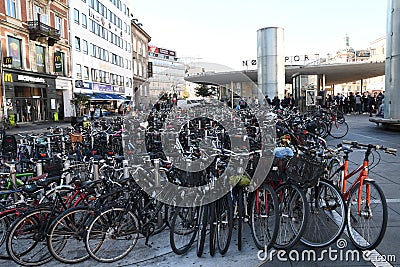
(334, 73)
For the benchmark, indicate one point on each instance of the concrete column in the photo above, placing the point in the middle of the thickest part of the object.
(392, 68)
(271, 61)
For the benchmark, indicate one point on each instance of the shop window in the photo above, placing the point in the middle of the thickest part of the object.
(40, 58)
(14, 51)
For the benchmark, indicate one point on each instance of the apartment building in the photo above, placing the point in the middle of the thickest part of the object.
(101, 50)
(141, 68)
(168, 73)
(35, 52)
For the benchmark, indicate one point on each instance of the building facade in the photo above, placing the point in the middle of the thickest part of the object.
(141, 70)
(35, 55)
(101, 51)
(168, 73)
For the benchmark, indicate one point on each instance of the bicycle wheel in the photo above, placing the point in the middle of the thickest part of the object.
(327, 216)
(240, 211)
(368, 226)
(202, 229)
(224, 223)
(213, 227)
(112, 234)
(293, 214)
(26, 238)
(6, 219)
(338, 130)
(65, 238)
(264, 217)
(183, 229)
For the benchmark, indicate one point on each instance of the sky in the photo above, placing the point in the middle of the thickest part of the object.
(225, 32)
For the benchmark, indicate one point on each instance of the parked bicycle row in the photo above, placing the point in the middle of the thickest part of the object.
(98, 207)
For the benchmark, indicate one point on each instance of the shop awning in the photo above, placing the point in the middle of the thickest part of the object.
(105, 97)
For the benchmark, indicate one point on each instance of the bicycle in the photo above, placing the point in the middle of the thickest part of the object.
(367, 213)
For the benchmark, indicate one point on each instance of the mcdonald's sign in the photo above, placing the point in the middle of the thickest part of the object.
(58, 62)
(7, 60)
(8, 78)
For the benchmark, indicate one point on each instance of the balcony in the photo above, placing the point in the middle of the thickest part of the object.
(38, 29)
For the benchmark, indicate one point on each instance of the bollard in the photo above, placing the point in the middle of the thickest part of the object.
(39, 167)
(125, 163)
(157, 172)
(96, 170)
(14, 180)
(49, 145)
(67, 164)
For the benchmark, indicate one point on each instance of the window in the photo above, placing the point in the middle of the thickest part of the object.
(86, 73)
(84, 47)
(59, 25)
(76, 15)
(12, 8)
(84, 21)
(78, 71)
(39, 14)
(14, 51)
(77, 43)
(40, 58)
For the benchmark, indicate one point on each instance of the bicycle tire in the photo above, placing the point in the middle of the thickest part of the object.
(360, 239)
(338, 130)
(213, 227)
(71, 227)
(202, 229)
(240, 211)
(293, 214)
(109, 225)
(264, 205)
(183, 227)
(36, 220)
(327, 217)
(224, 223)
(6, 219)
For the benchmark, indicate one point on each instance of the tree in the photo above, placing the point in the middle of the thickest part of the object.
(204, 91)
(80, 101)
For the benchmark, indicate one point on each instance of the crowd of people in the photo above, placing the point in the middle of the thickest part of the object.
(357, 103)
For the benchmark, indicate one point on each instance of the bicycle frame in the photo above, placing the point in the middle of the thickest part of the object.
(363, 174)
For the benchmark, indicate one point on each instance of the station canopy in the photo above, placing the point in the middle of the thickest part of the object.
(334, 73)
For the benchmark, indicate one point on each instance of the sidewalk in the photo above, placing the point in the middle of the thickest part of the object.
(36, 127)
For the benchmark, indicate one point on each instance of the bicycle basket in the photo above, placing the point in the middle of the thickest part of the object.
(277, 170)
(76, 138)
(305, 170)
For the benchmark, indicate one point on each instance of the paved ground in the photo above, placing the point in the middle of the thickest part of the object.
(387, 174)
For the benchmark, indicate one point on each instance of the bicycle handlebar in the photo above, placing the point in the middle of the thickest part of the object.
(356, 144)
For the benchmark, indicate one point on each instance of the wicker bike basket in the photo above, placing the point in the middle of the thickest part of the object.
(76, 138)
(305, 170)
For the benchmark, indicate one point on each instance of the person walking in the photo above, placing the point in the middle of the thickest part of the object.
(358, 103)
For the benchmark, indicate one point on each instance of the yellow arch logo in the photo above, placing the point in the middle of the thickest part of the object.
(8, 78)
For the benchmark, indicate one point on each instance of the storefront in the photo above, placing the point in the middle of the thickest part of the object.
(30, 96)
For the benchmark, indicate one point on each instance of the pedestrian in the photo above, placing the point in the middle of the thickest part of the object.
(371, 104)
(358, 103)
(365, 107)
